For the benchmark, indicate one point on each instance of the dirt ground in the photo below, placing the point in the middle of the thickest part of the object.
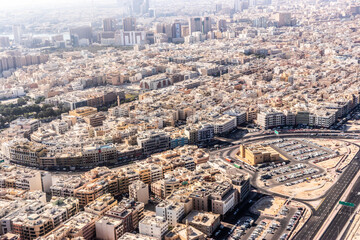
(343, 149)
(316, 204)
(353, 125)
(269, 206)
(331, 163)
(306, 190)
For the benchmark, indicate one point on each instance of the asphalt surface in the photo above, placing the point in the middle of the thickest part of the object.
(332, 197)
(344, 214)
(230, 219)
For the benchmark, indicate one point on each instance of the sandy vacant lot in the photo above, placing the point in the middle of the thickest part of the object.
(268, 206)
(306, 190)
(343, 148)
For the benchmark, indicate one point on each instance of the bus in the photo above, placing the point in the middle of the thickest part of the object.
(237, 166)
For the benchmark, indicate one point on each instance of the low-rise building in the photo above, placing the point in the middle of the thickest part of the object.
(271, 119)
(184, 232)
(173, 212)
(83, 111)
(206, 222)
(153, 226)
(258, 154)
(108, 228)
(130, 211)
(139, 191)
(95, 120)
(101, 205)
(153, 141)
(81, 225)
(137, 236)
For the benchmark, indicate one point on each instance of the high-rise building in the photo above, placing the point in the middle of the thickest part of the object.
(79, 34)
(129, 24)
(176, 30)
(160, 28)
(206, 25)
(200, 25)
(354, 10)
(195, 25)
(152, 13)
(221, 25)
(4, 42)
(283, 19)
(17, 33)
(109, 25)
(144, 7)
(135, 7)
(139, 7)
(240, 5)
(184, 31)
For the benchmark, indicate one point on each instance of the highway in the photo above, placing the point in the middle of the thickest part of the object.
(331, 200)
(344, 214)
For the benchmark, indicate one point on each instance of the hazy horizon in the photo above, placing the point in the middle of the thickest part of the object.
(46, 3)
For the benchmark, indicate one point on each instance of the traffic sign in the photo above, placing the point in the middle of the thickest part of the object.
(347, 204)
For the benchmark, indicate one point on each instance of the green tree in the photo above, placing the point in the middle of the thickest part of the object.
(21, 101)
(39, 100)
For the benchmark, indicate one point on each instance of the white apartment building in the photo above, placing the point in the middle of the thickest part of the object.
(271, 119)
(156, 172)
(173, 212)
(33, 181)
(154, 226)
(129, 38)
(322, 119)
(60, 126)
(205, 132)
(132, 236)
(119, 111)
(240, 116)
(224, 124)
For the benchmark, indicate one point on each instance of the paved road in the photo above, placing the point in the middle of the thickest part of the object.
(314, 224)
(344, 215)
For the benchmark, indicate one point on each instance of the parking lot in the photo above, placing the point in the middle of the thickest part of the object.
(301, 155)
(265, 227)
(302, 150)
